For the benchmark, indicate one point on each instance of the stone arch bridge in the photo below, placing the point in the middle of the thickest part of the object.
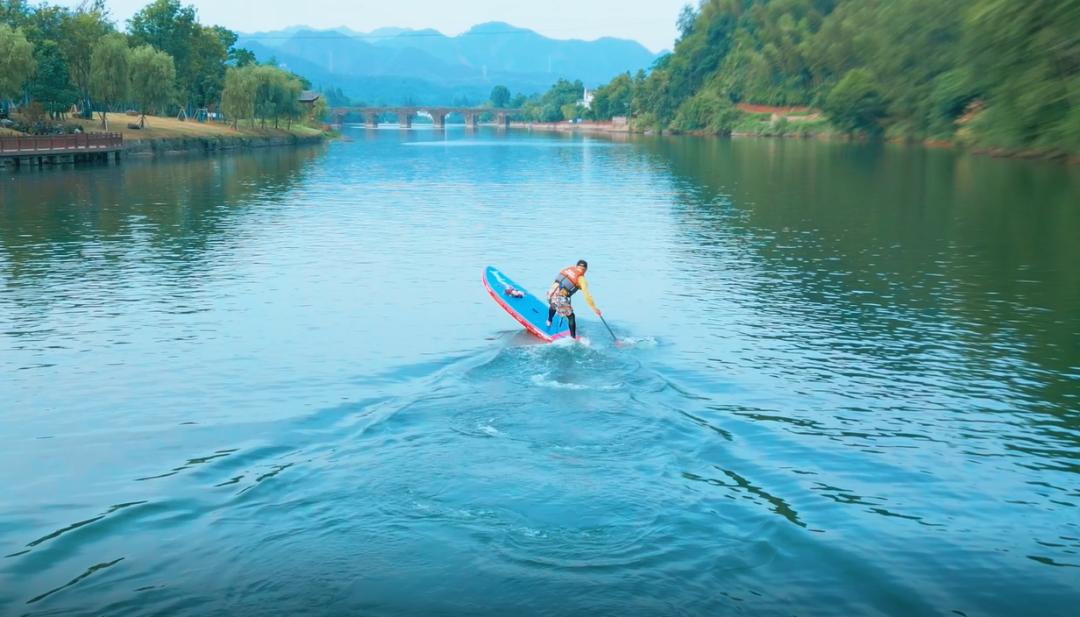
(438, 115)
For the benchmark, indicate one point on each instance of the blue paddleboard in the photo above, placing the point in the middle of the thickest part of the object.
(526, 308)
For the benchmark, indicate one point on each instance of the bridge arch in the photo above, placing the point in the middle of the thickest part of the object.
(438, 114)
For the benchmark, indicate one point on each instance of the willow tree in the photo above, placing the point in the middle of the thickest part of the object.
(199, 52)
(16, 62)
(238, 97)
(80, 31)
(153, 74)
(276, 94)
(110, 73)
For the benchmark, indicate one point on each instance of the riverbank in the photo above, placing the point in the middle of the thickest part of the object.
(794, 126)
(157, 128)
(754, 121)
(168, 135)
(216, 143)
(750, 126)
(571, 127)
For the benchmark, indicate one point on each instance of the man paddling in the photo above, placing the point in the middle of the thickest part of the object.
(569, 280)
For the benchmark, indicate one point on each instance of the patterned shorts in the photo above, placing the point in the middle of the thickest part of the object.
(561, 304)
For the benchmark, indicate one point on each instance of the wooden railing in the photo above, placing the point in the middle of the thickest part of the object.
(60, 143)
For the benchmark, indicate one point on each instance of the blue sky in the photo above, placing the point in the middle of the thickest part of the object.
(650, 22)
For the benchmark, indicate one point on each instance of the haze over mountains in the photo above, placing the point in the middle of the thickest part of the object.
(397, 65)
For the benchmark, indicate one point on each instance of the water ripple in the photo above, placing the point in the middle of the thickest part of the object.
(269, 383)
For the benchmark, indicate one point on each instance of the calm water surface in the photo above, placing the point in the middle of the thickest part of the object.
(272, 384)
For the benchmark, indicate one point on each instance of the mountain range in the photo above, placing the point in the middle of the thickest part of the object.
(400, 65)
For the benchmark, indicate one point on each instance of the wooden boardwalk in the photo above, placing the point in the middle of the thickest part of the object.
(59, 149)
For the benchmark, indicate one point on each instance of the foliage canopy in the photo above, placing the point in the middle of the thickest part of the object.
(991, 72)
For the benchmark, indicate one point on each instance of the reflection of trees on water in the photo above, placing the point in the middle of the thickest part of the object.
(886, 240)
(170, 213)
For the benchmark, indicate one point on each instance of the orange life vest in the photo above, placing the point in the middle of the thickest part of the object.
(568, 280)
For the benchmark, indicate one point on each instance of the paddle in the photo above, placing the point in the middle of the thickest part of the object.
(615, 338)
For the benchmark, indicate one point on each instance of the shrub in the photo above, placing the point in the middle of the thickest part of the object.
(706, 111)
(855, 104)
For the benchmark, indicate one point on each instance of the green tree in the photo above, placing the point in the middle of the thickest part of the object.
(613, 99)
(153, 74)
(276, 95)
(317, 114)
(685, 22)
(238, 97)
(288, 99)
(500, 96)
(563, 93)
(558, 103)
(200, 53)
(571, 111)
(42, 23)
(1026, 57)
(915, 47)
(550, 112)
(678, 76)
(855, 103)
(205, 77)
(166, 26)
(17, 62)
(240, 57)
(52, 86)
(110, 73)
(654, 96)
(912, 68)
(14, 13)
(706, 111)
(80, 31)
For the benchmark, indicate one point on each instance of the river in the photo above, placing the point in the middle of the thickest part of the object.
(271, 383)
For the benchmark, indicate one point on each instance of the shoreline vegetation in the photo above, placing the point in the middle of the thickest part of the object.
(166, 82)
(988, 76)
(759, 128)
(166, 135)
(173, 137)
(992, 77)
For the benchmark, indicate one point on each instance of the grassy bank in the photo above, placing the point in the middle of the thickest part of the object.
(170, 128)
(162, 136)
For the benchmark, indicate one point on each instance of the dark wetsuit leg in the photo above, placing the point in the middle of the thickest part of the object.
(569, 319)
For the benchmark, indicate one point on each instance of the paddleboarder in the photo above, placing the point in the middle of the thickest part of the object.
(567, 283)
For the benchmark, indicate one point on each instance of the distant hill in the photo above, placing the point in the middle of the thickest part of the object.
(398, 65)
